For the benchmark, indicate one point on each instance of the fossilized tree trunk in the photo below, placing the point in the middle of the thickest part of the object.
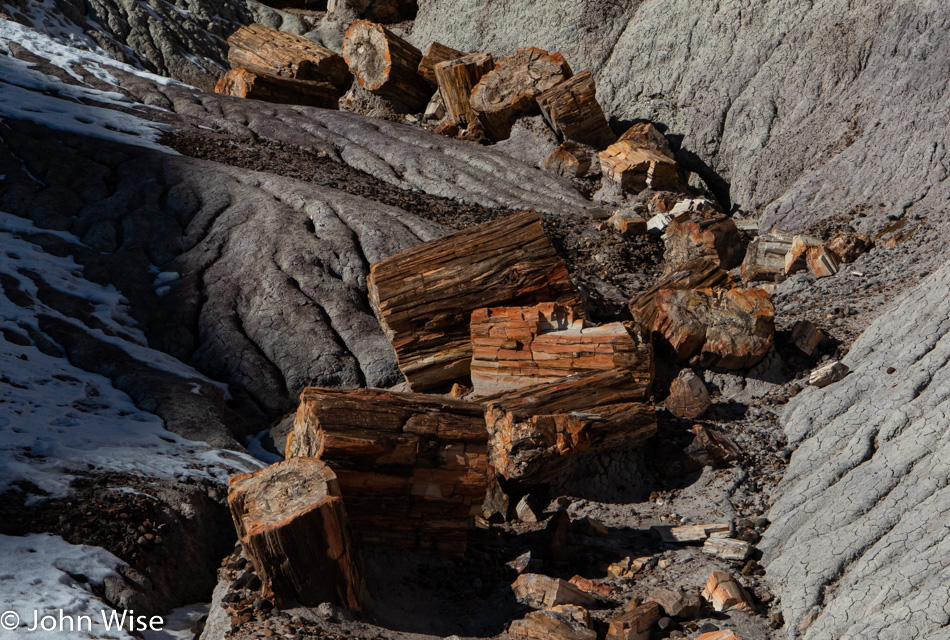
(386, 65)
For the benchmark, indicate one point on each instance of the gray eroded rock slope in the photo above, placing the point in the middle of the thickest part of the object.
(809, 109)
(860, 531)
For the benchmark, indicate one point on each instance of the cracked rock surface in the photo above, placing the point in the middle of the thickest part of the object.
(858, 543)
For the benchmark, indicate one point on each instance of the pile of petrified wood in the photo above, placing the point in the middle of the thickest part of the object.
(471, 96)
(508, 384)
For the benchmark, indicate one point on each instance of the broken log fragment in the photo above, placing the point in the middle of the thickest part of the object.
(293, 526)
(849, 246)
(795, 258)
(456, 78)
(765, 256)
(807, 336)
(645, 135)
(636, 168)
(726, 329)
(677, 604)
(689, 397)
(241, 83)
(266, 51)
(569, 159)
(690, 533)
(535, 432)
(560, 622)
(542, 592)
(572, 110)
(723, 634)
(386, 65)
(728, 549)
(821, 262)
(424, 297)
(519, 347)
(715, 237)
(436, 53)
(634, 624)
(512, 88)
(828, 374)
(724, 593)
(411, 467)
(702, 273)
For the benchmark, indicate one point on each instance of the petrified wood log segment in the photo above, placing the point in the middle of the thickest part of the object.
(518, 347)
(689, 397)
(560, 622)
(512, 88)
(534, 432)
(292, 523)
(646, 136)
(425, 296)
(702, 273)
(436, 53)
(456, 78)
(572, 110)
(727, 329)
(245, 84)
(569, 159)
(715, 237)
(411, 467)
(634, 624)
(636, 168)
(386, 65)
(278, 53)
(724, 593)
(765, 256)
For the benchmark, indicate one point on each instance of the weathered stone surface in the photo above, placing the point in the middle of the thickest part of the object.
(727, 329)
(864, 502)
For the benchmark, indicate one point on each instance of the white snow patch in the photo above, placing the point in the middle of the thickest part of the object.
(256, 448)
(35, 577)
(179, 623)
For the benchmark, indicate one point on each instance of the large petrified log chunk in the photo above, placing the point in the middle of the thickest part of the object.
(572, 110)
(411, 467)
(646, 136)
(727, 329)
(512, 88)
(634, 624)
(636, 168)
(425, 296)
(518, 347)
(386, 65)
(244, 84)
(278, 53)
(560, 622)
(715, 237)
(689, 397)
(456, 78)
(765, 256)
(293, 526)
(436, 53)
(540, 591)
(701, 273)
(534, 432)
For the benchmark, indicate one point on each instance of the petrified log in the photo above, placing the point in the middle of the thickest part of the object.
(688, 396)
(278, 53)
(807, 336)
(828, 374)
(293, 526)
(849, 246)
(821, 262)
(436, 53)
(425, 296)
(242, 83)
(646, 136)
(561, 622)
(512, 87)
(690, 533)
(534, 432)
(456, 78)
(636, 168)
(715, 237)
(634, 624)
(518, 347)
(572, 110)
(711, 447)
(569, 159)
(728, 549)
(765, 256)
(411, 467)
(386, 65)
(540, 591)
(701, 273)
(795, 258)
(677, 604)
(722, 634)
(627, 221)
(724, 593)
(726, 329)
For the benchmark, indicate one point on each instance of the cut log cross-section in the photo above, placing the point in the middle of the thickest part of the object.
(456, 78)
(572, 110)
(535, 432)
(293, 526)
(242, 83)
(278, 53)
(386, 65)
(411, 467)
(425, 296)
(436, 53)
(513, 87)
(518, 347)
